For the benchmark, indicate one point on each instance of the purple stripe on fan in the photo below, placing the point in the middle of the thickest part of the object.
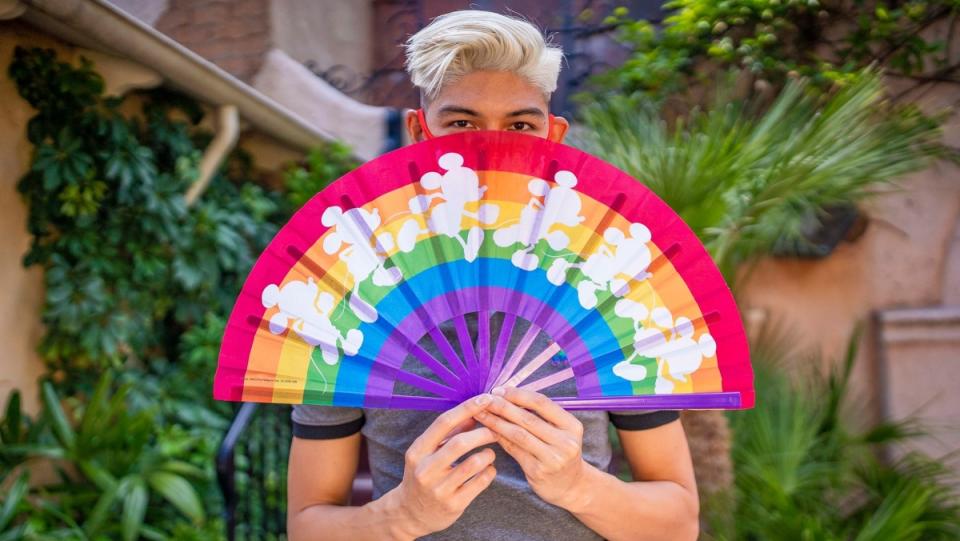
(660, 401)
(499, 299)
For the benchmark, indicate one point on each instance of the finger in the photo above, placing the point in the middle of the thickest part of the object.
(474, 464)
(540, 403)
(428, 442)
(526, 419)
(469, 424)
(517, 435)
(458, 446)
(472, 488)
(525, 459)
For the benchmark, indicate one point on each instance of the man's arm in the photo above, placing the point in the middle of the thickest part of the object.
(319, 480)
(431, 496)
(661, 503)
(546, 440)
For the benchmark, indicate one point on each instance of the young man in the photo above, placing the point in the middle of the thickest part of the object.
(510, 464)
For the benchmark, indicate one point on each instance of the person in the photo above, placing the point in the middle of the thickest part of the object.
(511, 463)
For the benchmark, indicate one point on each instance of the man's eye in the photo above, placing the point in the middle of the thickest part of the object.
(460, 123)
(519, 125)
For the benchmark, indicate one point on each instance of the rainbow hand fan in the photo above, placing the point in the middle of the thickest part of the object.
(469, 225)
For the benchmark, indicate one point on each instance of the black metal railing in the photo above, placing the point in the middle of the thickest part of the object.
(252, 472)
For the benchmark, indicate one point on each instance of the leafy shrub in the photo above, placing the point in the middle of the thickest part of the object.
(825, 41)
(747, 178)
(138, 289)
(804, 472)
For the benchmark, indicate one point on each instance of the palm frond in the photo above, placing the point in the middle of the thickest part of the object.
(745, 179)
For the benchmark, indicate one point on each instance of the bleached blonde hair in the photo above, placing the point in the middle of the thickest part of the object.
(460, 42)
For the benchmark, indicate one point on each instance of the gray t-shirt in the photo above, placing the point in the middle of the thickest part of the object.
(508, 509)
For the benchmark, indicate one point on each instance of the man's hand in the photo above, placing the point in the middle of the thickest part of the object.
(547, 442)
(434, 491)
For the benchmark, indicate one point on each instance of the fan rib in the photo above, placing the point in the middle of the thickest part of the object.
(483, 345)
(548, 381)
(533, 365)
(442, 342)
(466, 349)
(528, 337)
(503, 341)
(430, 386)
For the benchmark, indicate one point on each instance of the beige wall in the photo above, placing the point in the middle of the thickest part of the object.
(20, 327)
(328, 32)
(21, 304)
(909, 257)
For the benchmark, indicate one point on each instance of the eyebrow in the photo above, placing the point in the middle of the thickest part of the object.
(455, 109)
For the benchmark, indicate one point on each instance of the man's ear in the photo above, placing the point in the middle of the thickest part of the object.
(559, 129)
(414, 130)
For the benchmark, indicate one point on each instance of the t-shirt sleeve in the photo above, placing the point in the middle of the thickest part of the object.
(642, 419)
(314, 422)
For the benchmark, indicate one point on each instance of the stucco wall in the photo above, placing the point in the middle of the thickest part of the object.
(909, 257)
(20, 327)
(22, 301)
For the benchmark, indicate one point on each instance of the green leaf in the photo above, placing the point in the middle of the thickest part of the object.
(61, 426)
(13, 498)
(176, 490)
(33, 450)
(103, 506)
(10, 431)
(183, 468)
(134, 509)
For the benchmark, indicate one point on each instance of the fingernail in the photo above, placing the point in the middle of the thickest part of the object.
(481, 415)
(482, 400)
(498, 391)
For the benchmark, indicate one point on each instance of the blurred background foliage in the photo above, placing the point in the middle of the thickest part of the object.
(138, 289)
(762, 122)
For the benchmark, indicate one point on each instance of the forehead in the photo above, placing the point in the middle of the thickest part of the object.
(491, 93)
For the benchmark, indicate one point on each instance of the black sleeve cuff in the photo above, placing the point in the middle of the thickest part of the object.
(644, 421)
(327, 432)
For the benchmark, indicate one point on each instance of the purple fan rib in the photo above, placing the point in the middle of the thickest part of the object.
(421, 354)
(439, 339)
(503, 342)
(385, 368)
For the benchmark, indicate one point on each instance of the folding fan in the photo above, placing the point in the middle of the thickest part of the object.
(469, 226)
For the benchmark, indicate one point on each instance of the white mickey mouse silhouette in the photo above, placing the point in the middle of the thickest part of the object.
(306, 311)
(628, 258)
(561, 205)
(676, 351)
(457, 187)
(364, 253)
